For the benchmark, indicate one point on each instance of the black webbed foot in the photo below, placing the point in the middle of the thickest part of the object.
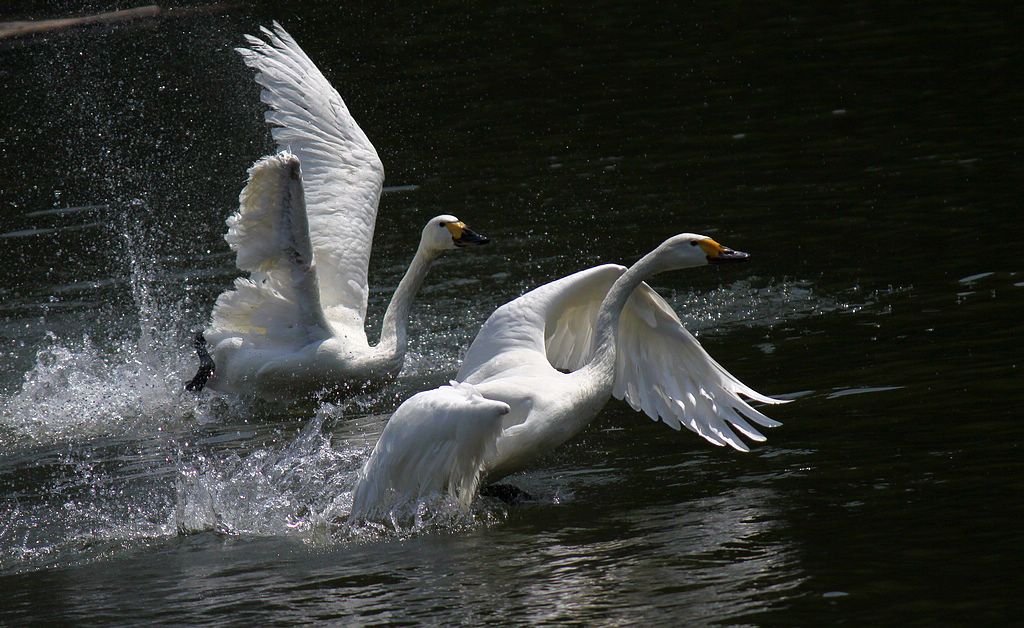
(511, 495)
(206, 365)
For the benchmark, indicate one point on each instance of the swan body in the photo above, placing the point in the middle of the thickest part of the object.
(433, 444)
(556, 355)
(303, 231)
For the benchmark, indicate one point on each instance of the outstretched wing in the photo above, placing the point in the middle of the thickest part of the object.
(435, 442)
(524, 329)
(343, 174)
(279, 301)
(660, 368)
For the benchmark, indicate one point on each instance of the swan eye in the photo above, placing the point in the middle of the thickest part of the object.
(693, 243)
(441, 223)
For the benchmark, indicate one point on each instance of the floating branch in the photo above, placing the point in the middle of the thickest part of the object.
(34, 27)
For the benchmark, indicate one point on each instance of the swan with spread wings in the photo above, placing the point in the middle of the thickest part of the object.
(553, 358)
(557, 354)
(303, 231)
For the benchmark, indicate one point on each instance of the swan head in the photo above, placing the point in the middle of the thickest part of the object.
(446, 232)
(687, 250)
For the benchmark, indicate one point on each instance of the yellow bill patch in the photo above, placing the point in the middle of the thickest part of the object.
(711, 248)
(455, 228)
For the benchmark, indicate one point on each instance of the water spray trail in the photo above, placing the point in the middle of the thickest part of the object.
(81, 387)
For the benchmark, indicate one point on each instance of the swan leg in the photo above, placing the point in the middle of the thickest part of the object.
(511, 495)
(206, 365)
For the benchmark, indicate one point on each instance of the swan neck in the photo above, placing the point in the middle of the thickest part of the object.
(606, 330)
(393, 329)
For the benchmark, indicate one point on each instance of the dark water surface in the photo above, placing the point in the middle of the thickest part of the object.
(869, 159)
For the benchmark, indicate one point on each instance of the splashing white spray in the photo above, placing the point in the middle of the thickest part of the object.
(81, 388)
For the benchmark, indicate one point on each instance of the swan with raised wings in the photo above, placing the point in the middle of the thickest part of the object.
(557, 354)
(303, 231)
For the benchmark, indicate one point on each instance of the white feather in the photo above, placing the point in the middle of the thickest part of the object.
(655, 352)
(434, 443)
(280, 300)
(343, 175)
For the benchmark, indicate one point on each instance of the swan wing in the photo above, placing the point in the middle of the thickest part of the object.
(279, 301)
(435, 442)
(343, 174)
(660, 367)
(663, 371)
(552, 322)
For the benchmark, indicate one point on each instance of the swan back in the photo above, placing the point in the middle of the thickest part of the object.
(526, 325)
(434, 443)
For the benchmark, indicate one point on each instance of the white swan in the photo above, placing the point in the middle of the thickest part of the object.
(434, 443)
(297, 323)
(556, 355)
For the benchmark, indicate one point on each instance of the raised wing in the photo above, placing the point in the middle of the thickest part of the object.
(527, 325)
(342, 172)
(280, 300)
(435, 442)
(660, 368)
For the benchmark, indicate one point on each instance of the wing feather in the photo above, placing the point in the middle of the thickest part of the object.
(343, 174)
(661, 369)
(280, 300)
(435, 442)
(655, 351)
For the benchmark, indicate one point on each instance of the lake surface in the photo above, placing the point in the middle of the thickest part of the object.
(869, 159)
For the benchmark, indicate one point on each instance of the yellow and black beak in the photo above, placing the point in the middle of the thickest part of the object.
(464, 236)
(718, 254)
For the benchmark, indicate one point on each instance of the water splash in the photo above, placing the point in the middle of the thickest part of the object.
(304, 490)
(298, 490)
(82, 387)
(96, 500)
(76, 389)
(746, 304)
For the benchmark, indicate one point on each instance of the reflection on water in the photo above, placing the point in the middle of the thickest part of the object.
(660, 560)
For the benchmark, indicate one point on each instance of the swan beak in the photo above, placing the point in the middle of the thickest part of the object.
(464, 236)
(718, 254)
